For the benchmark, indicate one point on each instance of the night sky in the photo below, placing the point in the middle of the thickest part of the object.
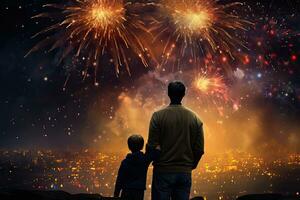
(38, 110)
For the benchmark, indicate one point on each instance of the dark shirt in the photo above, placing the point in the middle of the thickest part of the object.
(132, 173)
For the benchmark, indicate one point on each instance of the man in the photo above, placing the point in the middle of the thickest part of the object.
(179, 133)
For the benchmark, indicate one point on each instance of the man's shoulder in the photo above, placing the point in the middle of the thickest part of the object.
(193, 114)
(163, 111)
(160, 110)
(168, 108)
(183, 109)
(190, 111)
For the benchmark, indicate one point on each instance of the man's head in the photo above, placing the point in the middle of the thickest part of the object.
(135, 143)
(176, 91)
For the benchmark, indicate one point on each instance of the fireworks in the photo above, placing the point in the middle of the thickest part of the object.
(204, 84)
(88, 30)
(211, 85)
(92, 28)
(199, 27)
(211, 91)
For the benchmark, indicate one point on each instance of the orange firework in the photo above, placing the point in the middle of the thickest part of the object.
(211, 85)
(92, 28)
(199, 27)
(212, 92)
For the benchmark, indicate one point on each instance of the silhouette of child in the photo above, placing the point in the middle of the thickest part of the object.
(132, 175)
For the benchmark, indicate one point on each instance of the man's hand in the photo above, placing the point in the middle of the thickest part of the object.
(117, 193)
(196, 160)
(153, 153)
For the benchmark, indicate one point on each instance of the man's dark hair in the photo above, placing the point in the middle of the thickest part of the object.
(135, 143)
(176, 91)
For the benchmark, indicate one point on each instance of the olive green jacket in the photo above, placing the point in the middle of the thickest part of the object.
(179, 133)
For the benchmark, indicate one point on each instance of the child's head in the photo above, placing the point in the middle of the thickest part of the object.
(135, 143)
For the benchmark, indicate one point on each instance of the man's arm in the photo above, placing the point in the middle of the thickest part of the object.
(152, 154)
(198, 146)
(154, 132)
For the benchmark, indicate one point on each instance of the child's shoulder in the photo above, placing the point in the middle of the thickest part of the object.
(135, 157)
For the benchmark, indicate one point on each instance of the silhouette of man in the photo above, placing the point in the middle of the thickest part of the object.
(179, 133)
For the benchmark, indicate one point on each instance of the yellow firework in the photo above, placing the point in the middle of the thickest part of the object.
(199, 27)
(92, 28)
(211, 85)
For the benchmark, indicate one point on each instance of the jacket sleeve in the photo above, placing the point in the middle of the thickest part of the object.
(154, 132)
(198, 145)
(119, 181)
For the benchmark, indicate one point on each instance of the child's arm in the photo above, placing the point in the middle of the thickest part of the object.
(119, 181)
(152, 154)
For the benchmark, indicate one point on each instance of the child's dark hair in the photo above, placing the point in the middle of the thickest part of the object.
(135, 143)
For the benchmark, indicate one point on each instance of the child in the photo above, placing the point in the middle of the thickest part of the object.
(132, 174)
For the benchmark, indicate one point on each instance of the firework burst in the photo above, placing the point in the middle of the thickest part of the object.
(211, 85)
(92, 28)
(198, 27)
(211, 90)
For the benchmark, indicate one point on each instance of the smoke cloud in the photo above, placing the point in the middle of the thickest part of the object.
(254, 125)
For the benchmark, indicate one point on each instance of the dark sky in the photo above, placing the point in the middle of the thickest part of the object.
(35, 110)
